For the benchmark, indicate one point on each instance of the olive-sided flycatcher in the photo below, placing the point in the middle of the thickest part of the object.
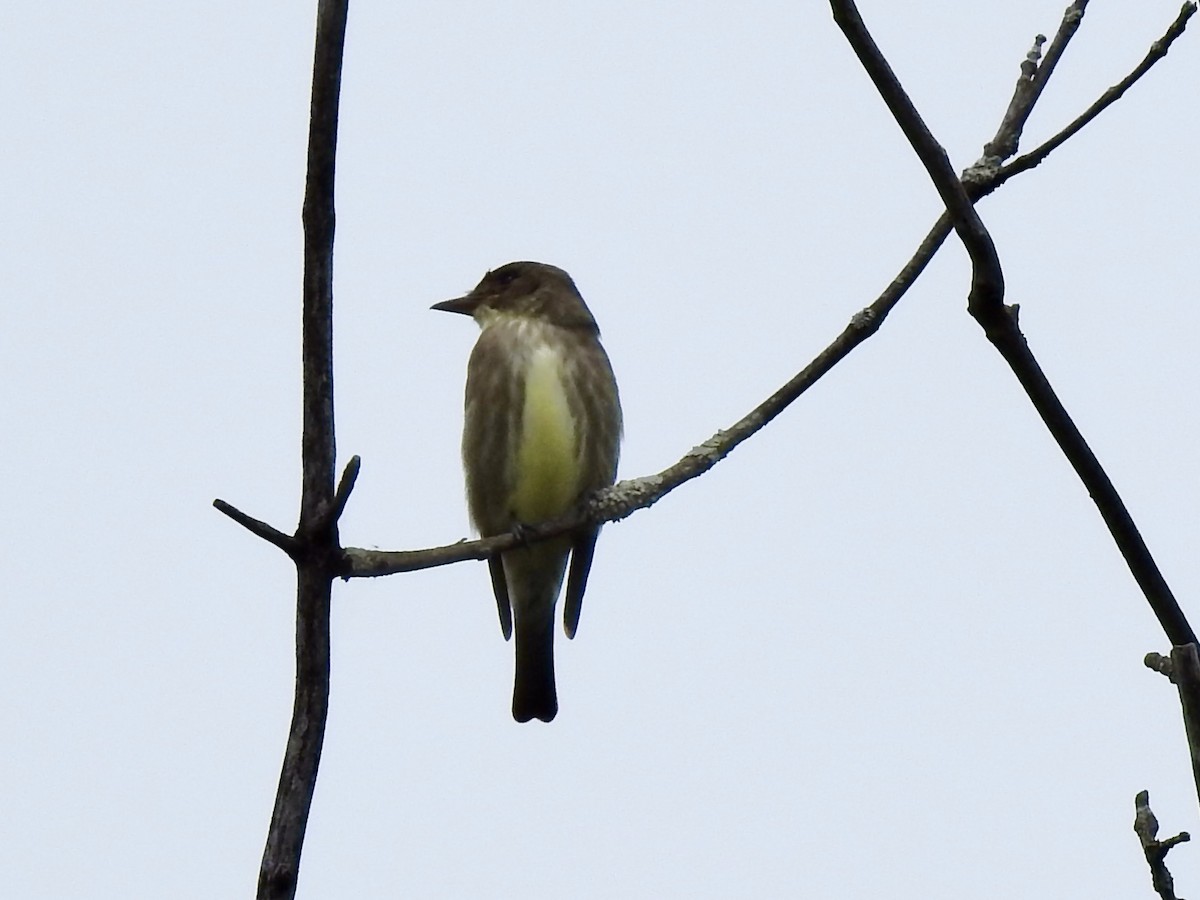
(542, 431)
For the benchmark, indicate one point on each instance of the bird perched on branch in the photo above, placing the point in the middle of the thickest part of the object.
(542, 431)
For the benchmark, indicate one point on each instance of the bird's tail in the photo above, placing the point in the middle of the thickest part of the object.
(534, 696)
(534, 576)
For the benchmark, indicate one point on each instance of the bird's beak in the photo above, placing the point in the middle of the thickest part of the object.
(464, 305)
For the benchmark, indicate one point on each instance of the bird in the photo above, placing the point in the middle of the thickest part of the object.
(542, 431)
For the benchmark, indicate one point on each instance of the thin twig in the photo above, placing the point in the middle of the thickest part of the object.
(1034, 78)
(345, 487)
(1157, 51)
(269, 533)
(1008, 135)
(1071, 20)
(1145, 825)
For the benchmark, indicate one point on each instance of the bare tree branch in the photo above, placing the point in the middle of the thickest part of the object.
(1157, 51)
(1001, 327)
(1032, 82)
(999, 322)
(345, 487)
(1145, 825)
(1182, 667)
(987, 279)
(320, 553)
(986, 305)
(1008, 135)
(629, 496)
(284, 542)
(315, 546)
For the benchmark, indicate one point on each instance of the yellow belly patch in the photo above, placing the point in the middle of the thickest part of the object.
(546, 481)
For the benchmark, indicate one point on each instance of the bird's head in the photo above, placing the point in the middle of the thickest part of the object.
(529, 290)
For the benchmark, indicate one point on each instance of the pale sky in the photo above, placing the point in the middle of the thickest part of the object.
(887, 648)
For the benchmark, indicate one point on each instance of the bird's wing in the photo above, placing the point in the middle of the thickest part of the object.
(500, 589)
(583, 546)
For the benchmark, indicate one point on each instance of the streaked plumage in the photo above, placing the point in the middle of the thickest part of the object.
(542, 431)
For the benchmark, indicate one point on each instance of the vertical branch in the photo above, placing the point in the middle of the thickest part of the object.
(317, 551)
(317, 443)
(1185, 672)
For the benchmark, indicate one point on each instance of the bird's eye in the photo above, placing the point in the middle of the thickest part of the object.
(504, 277)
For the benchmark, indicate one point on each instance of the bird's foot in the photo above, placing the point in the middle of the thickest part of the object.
(522, 532)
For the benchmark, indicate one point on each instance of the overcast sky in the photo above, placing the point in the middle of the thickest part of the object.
(887, 648)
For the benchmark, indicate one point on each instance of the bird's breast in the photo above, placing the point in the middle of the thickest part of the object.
(547, 467)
